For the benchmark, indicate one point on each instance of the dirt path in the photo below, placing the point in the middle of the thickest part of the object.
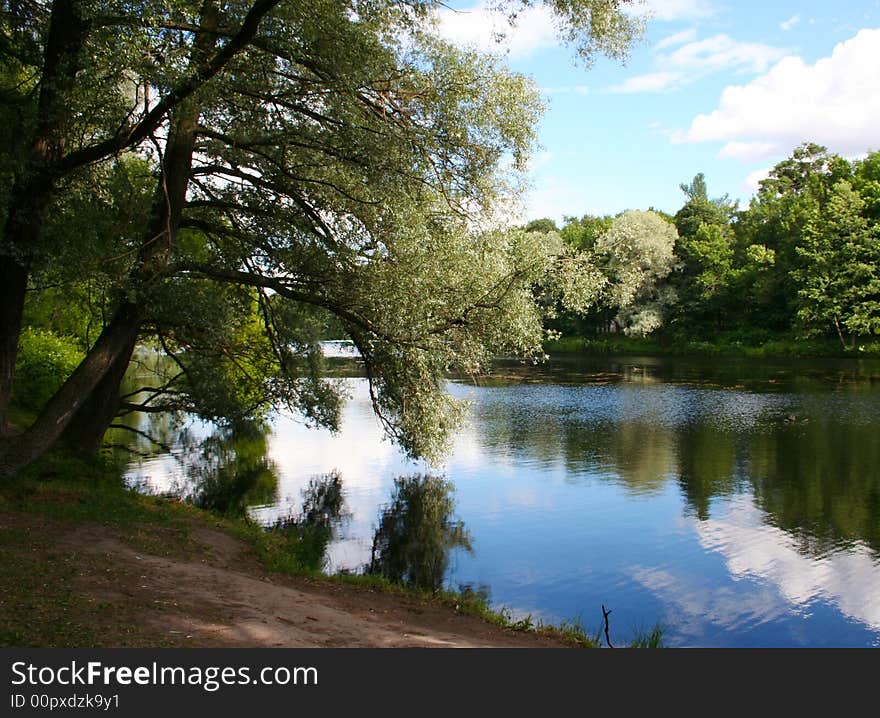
(222, 597)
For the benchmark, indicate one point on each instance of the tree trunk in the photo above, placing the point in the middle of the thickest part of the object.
(85, 406)
(86, 429)
(90, 396)
(32, 188)
(20, 234)
(840, 332)
(117, 338)
(13, 284)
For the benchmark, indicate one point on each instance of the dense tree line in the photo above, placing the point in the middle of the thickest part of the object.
(802, 260)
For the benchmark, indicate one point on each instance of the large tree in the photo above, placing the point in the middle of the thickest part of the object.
(636, 255)
(839, 282)
(795, 190)
(331, 157)
(705, 247)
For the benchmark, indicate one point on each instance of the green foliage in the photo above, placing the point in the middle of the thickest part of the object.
(44, 361)
(700, 210)
(787, 201)
(584, 232)
(755, 342)
(636, 254)
(541, 225)
(711, 251)
(652, 638)
(310, 532)
(233, 472)
(802, 260)
(866, 181)
(840, 278)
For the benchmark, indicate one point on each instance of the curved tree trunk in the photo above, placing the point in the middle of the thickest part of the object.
(32, 187)
(117, 338)
(88, 425)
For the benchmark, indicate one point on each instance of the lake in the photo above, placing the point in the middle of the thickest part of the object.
(736, 502)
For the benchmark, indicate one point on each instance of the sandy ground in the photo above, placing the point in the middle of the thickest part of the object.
(224, 598)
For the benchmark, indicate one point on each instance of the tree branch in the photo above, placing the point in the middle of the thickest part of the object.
(605, 615)
(145, 435)
(151, 121)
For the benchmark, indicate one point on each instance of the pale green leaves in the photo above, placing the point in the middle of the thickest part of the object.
(636, 254)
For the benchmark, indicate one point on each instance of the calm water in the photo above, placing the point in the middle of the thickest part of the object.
(736, 502)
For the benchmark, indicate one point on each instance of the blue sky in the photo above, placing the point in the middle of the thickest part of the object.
(723, 88)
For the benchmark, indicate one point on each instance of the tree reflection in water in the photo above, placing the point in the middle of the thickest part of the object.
(321, 514)
(417, 532)
(232, 471)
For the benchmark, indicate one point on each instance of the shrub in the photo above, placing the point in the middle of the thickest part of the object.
(44, 361)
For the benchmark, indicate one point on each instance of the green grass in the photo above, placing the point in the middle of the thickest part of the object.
(39, 603)
(651, 638)
(38, 607)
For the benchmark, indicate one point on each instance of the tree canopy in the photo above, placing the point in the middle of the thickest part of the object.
(222, 179)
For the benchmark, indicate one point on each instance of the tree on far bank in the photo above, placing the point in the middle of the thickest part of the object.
(705, 247)
(636, 255)
(541, 225)
(582, 232)
(839, 280)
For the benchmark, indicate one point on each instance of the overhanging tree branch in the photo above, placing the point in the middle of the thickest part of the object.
(151, 121)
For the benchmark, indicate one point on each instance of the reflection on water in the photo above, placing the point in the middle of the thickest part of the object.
(231, 470)
(416, 533)
(315, 525)
(738, 503)
(223, 470)
(846, 578)
(339, 349)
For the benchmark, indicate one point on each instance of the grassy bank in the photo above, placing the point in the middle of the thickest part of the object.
(41, 604)
(731, 344)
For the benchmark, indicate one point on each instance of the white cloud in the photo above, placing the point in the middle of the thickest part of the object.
(748, 151)
(698, 58)
(752, 182)
(835, 102)
(721, 52)
(651, 82)
(787, 25)
(678, 38)
(481, 28)
(770, 579)
(849, 580)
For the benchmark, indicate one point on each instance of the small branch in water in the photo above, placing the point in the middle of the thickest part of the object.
(130, 450)
(145, 435)
(605, 615)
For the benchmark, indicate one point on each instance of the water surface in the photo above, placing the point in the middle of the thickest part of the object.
(737, 502)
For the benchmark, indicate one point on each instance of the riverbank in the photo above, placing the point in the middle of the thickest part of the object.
(87, 563)
(733, 345)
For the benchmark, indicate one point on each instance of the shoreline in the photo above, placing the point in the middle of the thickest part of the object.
(86, 564)
(718, 348)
